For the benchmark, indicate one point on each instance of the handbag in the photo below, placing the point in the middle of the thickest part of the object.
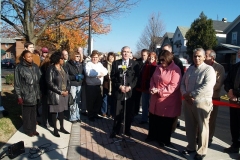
(70, 99)
(16, 149)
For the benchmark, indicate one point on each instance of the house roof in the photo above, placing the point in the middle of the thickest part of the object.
(232, 25)
(183, 30)
(7, 40)
(169, 34)
(232, 47)
(220, 26)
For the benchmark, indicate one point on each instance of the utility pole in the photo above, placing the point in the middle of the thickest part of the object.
(90, 28)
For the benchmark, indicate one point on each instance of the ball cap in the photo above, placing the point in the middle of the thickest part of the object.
(44, 50)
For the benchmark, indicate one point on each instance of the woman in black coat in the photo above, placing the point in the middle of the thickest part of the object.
(26, 85)
(58, 88)
(74, 67)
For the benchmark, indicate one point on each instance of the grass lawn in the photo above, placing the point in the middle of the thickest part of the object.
(11, 123)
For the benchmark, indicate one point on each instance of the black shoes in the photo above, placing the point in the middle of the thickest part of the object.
(148, 139)
(113, 135)
(55, 133)
(199, 157)
(129, 134)
(231, 149)
(64, 131)
(35, 133)
(77, 121)
(186, 152)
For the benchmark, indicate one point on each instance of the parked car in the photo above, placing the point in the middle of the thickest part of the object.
(185, 64)
(8, 63)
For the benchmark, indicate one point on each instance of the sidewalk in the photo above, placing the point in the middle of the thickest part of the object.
(90, 140)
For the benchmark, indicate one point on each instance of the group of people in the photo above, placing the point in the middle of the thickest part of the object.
(111, 86)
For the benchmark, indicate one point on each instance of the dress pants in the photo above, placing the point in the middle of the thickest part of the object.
(197, 119)
(212, 120)
(120, 115)
(235, 126)
(94, 100)
(137, 98)
(29, 116)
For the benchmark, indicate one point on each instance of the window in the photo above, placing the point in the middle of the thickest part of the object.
(178, 34)
(234, 38)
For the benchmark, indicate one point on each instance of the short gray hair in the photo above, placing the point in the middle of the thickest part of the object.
(199, 49)
(212, 53)
(124, 48)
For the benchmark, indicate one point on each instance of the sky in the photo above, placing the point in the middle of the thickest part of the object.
(128, 27)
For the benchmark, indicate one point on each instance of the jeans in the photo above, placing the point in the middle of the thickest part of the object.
(105, 101)
(74, 109)
(145, 106)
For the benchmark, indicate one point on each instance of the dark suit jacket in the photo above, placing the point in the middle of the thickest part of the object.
(118, 78)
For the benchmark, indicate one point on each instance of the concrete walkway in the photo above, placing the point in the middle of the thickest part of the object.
(90, 140)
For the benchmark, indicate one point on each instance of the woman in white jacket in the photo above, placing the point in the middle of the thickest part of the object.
(94, 72)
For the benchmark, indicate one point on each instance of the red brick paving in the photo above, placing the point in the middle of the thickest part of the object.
(96, 144)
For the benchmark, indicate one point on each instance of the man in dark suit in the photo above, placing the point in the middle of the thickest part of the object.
(138, 94)
(124, 75)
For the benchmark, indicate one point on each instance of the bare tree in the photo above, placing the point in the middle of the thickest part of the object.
(30, 18)
(152, 32)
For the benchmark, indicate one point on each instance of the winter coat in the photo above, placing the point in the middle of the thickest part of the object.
(72, 70)
(26, 83)
(54, 84)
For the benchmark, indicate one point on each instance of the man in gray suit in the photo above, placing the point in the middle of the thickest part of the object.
(197, 90)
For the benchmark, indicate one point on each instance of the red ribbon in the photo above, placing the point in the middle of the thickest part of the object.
(225, 104)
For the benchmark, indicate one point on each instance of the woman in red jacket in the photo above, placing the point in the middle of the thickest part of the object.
(165, 99)
(146, 74)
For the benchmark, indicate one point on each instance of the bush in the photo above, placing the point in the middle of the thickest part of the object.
(9, 79)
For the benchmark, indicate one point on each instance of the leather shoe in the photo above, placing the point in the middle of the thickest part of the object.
(231, 149)
(35, 133)
(187, 151)
(199, 157)
(112, 135)
(30, 134)
(129, 134)
(55, 133)
(64, 131)
(148, 139)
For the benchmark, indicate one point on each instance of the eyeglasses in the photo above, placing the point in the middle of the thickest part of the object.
(161, 60)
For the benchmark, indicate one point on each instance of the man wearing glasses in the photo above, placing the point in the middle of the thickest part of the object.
(197, 90)
(124, 75)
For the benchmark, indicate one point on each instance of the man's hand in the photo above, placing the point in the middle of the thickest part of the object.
(20, 101)
(122, 88)
(188, 98)
(127, 88)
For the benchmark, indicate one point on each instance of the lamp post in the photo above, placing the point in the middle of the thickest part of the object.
(90, 28)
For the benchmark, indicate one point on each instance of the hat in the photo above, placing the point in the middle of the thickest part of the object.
(44, 50)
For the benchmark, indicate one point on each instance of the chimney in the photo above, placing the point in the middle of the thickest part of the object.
(224, 19)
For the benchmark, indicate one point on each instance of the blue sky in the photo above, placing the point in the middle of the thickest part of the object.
(127, 28)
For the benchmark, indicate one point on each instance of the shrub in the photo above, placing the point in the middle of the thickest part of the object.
(9, 79)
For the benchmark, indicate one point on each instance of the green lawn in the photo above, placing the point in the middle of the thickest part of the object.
(12, 122)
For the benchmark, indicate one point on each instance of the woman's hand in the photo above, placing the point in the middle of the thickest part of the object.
(64, 93)
(154, 90)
